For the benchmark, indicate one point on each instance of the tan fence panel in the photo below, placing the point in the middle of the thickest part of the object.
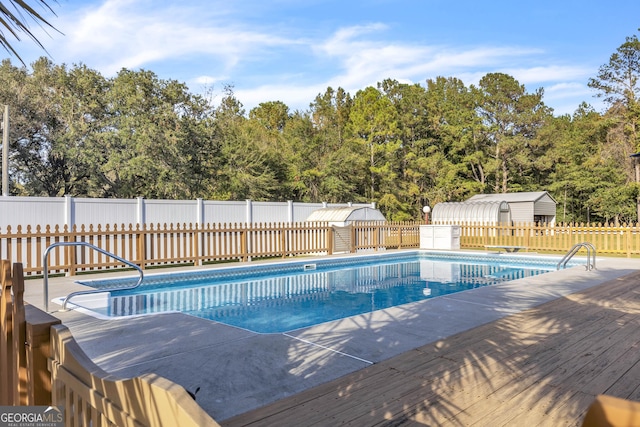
(400, 235)
(265, 240)
(306, 238)
(621, 240)
(26, 246)
(168, 244)
(90, 396)
(410, 235)
(342, 240)
(24, 344)
(222, 242)
(6, 336)
(367, 236)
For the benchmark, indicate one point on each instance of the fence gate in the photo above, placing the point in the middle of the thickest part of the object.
(341, 239)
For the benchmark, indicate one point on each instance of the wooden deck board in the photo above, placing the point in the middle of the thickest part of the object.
(543, 366)
(550, 385)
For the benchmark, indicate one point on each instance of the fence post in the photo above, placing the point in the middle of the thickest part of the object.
(141, 235)
(141, 214)
(69, 212)
(290, 218)
(353, 242)
(248, 211)
(485, 234)
(196, 243)
(19, 337)
(283, 229)
(6, 336)
(38, 352)
(376, 236)
(329, 230)
(244, 253)
(70, 251)
(199, 233)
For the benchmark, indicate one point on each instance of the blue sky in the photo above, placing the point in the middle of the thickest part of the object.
(290, 51)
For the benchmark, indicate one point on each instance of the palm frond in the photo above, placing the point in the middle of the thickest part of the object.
(14, 16)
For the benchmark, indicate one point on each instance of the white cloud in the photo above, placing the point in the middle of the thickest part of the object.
(342, 41)
(568, 89)
(567, 96)
(123, 33)
(297, 97)
(551, 73)
(209, 80)
(362, 62)
(271, 58)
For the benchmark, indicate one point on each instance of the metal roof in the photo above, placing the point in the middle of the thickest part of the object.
(347, 213)
(532, 196)
(483, 212)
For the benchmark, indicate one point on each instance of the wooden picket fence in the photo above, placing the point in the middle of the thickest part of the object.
(41, 364)
(187, 244)
(184, 244)
(610, 239)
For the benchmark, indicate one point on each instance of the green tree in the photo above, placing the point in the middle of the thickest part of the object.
(511, 117)
(373, 123)
(18, 91)
(304, 156)
(617, 81)
(405, 199)
(330, 116)
(455, 157)
(570, 163)
(618, 84)
(156, 139)
(55, 111)
(268, 121)
(246, 160)
(327, 165)
(272, 115)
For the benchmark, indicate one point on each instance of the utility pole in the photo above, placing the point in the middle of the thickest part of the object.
(5, 151)
(636, 165)
(637, 168)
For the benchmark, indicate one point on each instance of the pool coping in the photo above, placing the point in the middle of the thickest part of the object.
(238, 370)
(96, 304)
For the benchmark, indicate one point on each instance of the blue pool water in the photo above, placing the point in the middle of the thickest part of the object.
(280, 297)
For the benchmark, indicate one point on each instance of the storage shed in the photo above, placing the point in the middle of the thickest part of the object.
(526, 207)
(489, 212)
(342, 216)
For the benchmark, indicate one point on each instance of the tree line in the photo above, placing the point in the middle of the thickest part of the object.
(75, 132)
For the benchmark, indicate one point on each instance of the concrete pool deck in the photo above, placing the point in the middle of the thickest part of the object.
(237, 370)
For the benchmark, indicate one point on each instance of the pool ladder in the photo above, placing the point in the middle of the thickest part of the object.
(574, 250)
(45, 278)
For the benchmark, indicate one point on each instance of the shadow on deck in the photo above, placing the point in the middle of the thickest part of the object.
(543, 366)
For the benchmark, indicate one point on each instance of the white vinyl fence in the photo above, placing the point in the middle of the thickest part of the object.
(72, 211)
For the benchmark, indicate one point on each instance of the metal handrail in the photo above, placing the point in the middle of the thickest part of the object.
(45, 266)
(574, 250)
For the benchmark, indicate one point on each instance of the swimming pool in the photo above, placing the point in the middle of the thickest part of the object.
(283, 296)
